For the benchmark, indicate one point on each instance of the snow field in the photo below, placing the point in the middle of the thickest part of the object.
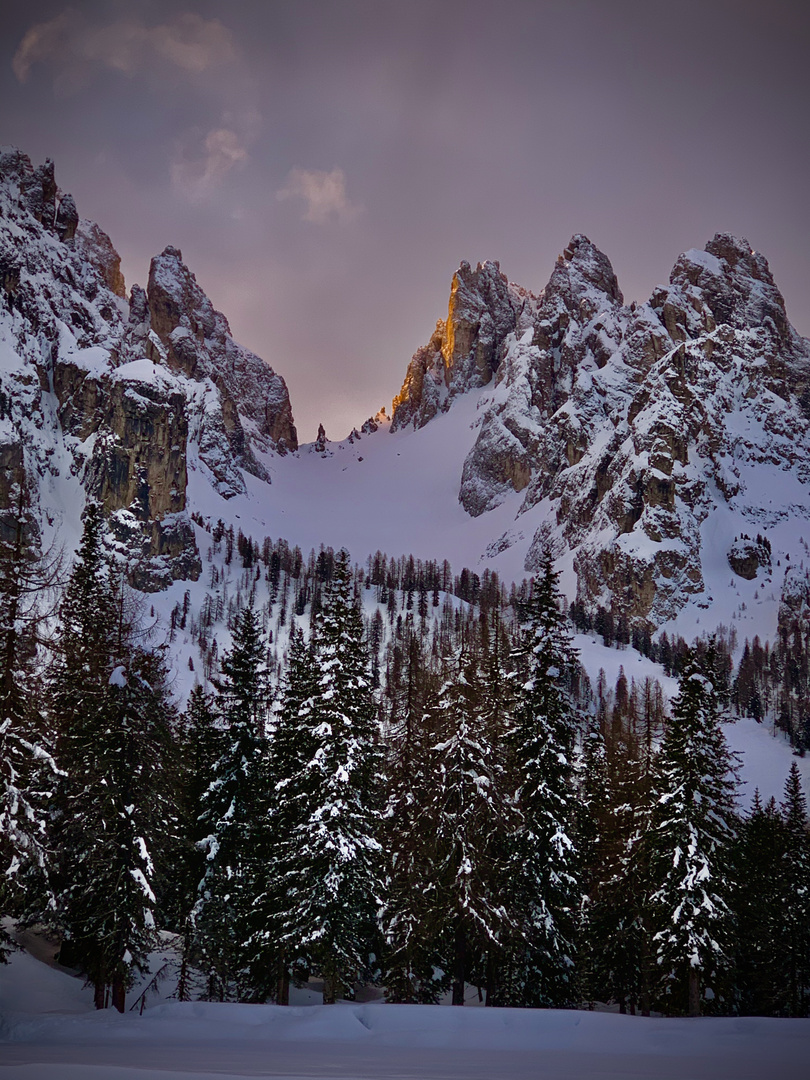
(50, 1031)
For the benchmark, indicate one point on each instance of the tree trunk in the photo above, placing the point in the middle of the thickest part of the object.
(459, 964)
(99, 994)
(119, 993)
(329, 988)
(645, 972)
(694, 992)
(492, 981)
(283, 989)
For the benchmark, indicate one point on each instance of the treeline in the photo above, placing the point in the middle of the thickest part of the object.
(425, 801)
(774, 682)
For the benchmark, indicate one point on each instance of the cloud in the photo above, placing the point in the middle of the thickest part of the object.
(201, 164)
(76, 48)
(323, 192)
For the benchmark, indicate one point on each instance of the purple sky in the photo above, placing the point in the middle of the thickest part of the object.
(325, 165)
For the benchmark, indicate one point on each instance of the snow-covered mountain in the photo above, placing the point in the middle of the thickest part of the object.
(661, 450)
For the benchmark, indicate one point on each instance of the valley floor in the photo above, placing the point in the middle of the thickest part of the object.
(49, 1031)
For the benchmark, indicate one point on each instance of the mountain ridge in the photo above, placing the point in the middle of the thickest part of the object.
(637, 442)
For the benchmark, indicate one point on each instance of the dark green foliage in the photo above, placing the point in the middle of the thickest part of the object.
(331, 868)
(234, 815)
(542, 877)
(413, 954)
(115, 806)
(469, 816)
(690, 843)
(28, 772)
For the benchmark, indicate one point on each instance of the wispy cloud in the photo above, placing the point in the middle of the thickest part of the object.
(201, 164)
(75, 48)
(323, 193)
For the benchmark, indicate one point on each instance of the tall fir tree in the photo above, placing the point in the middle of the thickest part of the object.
(758, 906)
(200, 748)
(413, 956)
(291, 794)
(469, 819)
(28, 772)
(235, 816)
(795, 887)
(542, 876)
(333, 870)
(115, 744)
(694, 825)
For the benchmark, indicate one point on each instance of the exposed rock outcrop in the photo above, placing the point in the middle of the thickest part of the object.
(623, 425)
(465, 351)
(131, 392)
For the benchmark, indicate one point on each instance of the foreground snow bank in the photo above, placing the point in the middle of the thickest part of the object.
(48, 1030)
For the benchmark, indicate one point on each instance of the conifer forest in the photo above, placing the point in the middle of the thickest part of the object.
(391, 775)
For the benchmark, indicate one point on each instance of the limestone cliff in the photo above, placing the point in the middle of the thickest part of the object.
(117, 396)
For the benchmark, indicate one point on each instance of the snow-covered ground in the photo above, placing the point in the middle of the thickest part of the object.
(765, 755)
(50, 1031)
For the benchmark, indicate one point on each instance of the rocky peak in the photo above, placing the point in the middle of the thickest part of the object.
(481, 313)
(735, 285)
(627, 423)
(466, 349)
(135, 401)
(582, 267)
(181, 314)
(95, 246)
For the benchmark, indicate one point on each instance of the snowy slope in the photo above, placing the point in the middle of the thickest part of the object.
(50, 1031)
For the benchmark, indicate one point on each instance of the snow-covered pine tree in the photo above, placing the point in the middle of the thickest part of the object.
(596, 841)
(28, 771)
(795, 889)
(542, 874)
(616, 935)
(468, 817)
(235, 815)
(293, 790)
(114, 730)
(690, 844)
(412, 954)
(333, 881)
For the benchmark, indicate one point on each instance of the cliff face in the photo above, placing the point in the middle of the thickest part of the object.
(625, 429)
(466, 350)
(641, 444)
(113, 394)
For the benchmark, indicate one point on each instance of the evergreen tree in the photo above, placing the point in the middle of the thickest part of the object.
(333, 876)
(413, 956)
(693, 831)
(200, 749)
(542, 874)
(469, 818)
(759, 911)
(28, 771)
(115, 744)
(795, 887)
(291, 794)
(235, 816)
